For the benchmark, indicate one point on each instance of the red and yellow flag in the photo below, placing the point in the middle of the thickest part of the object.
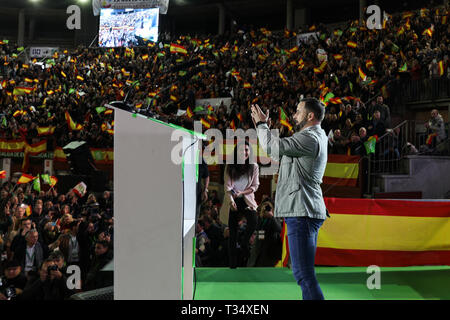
(441, 68)
(352, 44)
(205, 123)
(45, 131)
(189, 112)
(176, 48)
(341, 170)
(284, 119)
(72, 125)
(283, 78)
(387, 233)
(362, 75)
(232, 125)
(25, 178)
(285, 248)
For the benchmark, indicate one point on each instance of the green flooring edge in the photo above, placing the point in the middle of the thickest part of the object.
(337, 283)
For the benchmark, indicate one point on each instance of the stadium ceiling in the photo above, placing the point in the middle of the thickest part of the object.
(178, 6)
(174, 4)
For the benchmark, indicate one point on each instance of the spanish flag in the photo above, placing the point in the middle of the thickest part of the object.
(338, 57)
(189, 112)
(239, 116)
(232, 125)
(284, 119)
(428, 32)
(294, 49)
(28, 80)
(362, 75)
(341, 170)
(72, 125)
(205, 123)
(175, 48)
(386, 233)
(2, 174)
(318, 71)
(336, 100)
(441, 67)
(352, 44)
(282, 77)
(145, 57)
(407, 15)
(212, 118)
(45, 131)
(285, 248)
(19, 91)
(53, 181)
(247, 85)
(25, 178)
(369, 64)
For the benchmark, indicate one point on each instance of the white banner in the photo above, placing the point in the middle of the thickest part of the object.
(42, 52)
(305, 37)
(97, 5)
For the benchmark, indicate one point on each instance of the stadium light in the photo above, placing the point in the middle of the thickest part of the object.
(83, 1)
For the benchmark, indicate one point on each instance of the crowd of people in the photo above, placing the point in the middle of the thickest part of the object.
(353, 70)
(44, 233)
(348, 66)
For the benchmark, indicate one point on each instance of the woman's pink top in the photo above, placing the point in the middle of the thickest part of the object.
(252, 183)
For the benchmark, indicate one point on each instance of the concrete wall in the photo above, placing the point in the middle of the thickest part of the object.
(429, 174)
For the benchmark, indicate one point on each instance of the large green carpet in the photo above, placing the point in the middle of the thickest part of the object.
(337, 283)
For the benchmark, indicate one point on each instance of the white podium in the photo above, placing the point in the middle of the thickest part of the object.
(154, 208)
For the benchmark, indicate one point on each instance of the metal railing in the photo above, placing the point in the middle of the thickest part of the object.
(425, 89)
(407, 138)
(390, 150)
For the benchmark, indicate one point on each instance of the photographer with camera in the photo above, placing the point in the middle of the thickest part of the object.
(13, 282)
(266, 249)
(50, 285)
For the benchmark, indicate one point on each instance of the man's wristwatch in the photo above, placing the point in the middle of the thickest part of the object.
(260, 122)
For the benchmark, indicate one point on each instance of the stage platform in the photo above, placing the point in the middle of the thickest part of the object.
(337, 283)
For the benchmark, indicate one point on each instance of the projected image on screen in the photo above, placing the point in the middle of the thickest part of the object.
(128, 27)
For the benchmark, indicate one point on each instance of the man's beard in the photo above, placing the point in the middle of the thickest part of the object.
(299, 126)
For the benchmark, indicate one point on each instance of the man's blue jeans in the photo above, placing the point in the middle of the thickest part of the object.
(302, 238)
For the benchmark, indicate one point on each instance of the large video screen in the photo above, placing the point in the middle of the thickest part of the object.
(128, 27)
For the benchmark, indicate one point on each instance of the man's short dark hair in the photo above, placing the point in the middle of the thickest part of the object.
(315, 106)
(207, 219)
(56, 255)
(25, 219)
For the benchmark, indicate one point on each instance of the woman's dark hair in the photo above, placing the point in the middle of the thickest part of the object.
(236, 170)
